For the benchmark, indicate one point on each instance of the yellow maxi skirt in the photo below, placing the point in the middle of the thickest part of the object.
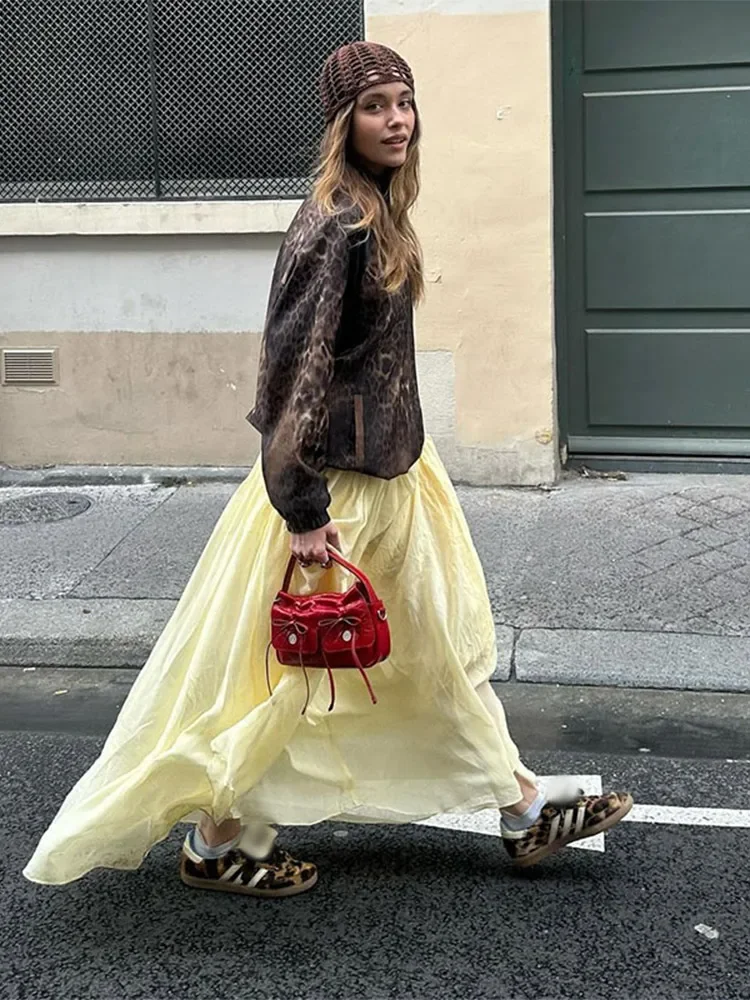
(199, 732)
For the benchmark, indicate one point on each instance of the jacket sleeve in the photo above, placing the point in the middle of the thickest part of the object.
(296, 369)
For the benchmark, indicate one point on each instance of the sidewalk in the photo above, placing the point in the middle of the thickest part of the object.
(643, 582)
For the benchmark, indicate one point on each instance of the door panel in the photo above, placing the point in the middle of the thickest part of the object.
(669, 379)
(651, 141)
(633, 34)
(668, 261)
(652, 147)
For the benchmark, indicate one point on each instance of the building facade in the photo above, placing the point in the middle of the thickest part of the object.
(609, 319)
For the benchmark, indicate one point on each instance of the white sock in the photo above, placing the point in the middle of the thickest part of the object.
(207, 852)
(527, 818)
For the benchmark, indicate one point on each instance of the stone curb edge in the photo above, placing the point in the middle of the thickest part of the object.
(120, 633)
(121, 475)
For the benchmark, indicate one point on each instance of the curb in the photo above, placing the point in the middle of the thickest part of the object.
(80, 632)
(668, 660)
(110, 632)
(120, 633)
(121, 475)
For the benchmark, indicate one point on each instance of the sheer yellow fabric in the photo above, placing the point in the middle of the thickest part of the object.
(199, 732)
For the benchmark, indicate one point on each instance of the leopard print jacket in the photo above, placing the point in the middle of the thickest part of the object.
(337, 381)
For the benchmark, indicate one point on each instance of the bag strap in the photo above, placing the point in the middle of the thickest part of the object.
(337, 558)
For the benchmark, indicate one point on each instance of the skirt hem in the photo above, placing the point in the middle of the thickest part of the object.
(464, 808)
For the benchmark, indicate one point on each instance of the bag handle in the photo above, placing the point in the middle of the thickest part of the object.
(338, 558)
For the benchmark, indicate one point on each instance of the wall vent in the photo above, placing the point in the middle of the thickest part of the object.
(30, 366)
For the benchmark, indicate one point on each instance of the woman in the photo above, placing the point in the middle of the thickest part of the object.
(344, 462)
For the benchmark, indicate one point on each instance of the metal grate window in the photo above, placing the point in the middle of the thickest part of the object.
(163, 99)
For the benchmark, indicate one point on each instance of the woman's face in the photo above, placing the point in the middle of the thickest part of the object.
(383, 123)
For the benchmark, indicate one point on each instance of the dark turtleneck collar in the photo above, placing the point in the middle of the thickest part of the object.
(381, 181)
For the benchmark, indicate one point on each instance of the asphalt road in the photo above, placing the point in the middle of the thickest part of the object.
(411, 912)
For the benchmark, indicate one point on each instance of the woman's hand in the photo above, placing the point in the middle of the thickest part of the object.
(311, 547)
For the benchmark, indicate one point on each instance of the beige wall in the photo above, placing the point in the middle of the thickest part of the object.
(158, 334)
(157, 340)
(136, 399)
(483, 88)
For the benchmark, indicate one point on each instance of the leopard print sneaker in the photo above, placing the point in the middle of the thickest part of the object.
(563, 822)
(278, 874)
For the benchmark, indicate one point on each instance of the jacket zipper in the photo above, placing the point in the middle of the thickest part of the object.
(359, 429)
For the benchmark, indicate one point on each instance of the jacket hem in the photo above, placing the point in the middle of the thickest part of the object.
(301, 525)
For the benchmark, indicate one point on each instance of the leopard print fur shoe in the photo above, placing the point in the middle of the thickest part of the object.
(278, 874)
(562, 823)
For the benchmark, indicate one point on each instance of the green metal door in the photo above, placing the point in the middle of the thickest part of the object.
(652, 166)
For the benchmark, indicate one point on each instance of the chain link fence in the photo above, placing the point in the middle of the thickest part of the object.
(163, 99)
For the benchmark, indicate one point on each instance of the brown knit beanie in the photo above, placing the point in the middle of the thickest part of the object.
(355, 67)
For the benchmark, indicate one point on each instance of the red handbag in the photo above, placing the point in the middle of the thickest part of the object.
(332, 630)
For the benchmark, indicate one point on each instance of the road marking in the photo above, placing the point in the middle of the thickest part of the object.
(684, 816)
(487, 821)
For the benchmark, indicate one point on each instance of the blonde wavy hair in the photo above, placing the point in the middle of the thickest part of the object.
(340, 184)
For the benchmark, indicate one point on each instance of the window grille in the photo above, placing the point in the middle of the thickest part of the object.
(163, 99)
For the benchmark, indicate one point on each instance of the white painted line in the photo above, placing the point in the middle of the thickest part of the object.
(487, 821)
(684, 816)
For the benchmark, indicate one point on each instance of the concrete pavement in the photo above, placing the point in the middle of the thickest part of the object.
(637, 582)
(612, 585)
